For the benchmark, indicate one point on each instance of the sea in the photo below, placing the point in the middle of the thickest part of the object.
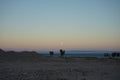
(77, 53)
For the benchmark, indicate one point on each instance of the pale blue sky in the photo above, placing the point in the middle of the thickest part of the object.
(46, 23)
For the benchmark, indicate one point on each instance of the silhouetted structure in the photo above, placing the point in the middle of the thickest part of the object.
(51, 53)
(118, 54)
(62, 53)
(106, 55)
(115, 54)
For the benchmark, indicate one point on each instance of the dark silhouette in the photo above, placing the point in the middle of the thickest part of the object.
(62, 53)
(118, 54)
(51, 53)
(113, 54)
(106, 55)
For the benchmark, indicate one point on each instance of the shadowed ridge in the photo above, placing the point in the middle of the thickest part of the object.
(2, 51)
(19, 56)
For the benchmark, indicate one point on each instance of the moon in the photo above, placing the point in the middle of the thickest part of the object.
(61, 43)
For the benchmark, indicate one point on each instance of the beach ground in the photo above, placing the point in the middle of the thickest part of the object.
(51, 68)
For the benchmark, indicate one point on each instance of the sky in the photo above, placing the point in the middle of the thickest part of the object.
(56, 24)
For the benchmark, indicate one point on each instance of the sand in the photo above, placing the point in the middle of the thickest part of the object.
(37, 67)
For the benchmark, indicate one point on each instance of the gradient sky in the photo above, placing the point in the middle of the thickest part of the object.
(55, 24)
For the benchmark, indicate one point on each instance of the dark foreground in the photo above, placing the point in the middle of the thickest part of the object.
(36, 67)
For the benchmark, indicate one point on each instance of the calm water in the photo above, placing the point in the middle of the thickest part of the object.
(97, 54)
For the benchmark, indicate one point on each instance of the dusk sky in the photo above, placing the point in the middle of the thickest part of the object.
(55, 24)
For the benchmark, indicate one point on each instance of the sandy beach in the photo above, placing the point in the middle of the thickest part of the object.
(36, 67)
